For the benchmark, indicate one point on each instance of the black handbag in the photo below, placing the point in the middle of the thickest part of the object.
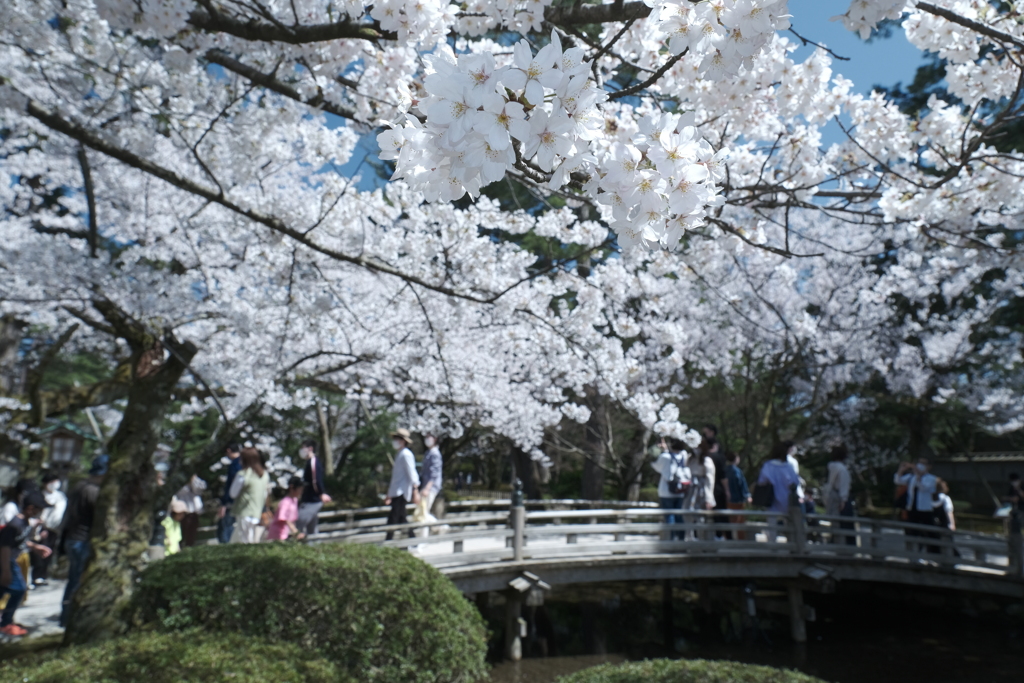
(763, 495)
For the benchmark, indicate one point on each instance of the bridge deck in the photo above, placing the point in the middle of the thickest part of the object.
(483, 550)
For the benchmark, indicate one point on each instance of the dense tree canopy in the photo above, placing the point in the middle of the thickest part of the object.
(595, 209)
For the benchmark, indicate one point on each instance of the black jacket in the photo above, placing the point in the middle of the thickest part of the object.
(314, 487)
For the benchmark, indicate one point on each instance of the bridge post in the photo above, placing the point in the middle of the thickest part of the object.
(797, 624)
(799, 524)
(517, 517)
(513, 625)
(1015, 546)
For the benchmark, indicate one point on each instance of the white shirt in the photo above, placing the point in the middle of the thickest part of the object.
(923, 485)
(403, 477)
(946, 503)
(704, 466)
(9, 512)
(838, 480)
(792, 461)
(668, 465)
(54, 515)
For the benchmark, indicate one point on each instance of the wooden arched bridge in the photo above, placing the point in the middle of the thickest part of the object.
(492, 546)
(481, 545)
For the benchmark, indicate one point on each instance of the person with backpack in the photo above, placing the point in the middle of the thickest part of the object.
(675, 481)
(777, 478)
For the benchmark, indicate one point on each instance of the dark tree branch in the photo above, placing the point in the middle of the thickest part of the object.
(270, 83)
(90, 198)
(596, 14)
(976, 26)
(91, 139)
(254, 29)
(633, 89)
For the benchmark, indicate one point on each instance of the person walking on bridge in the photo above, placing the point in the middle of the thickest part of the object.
(313, 494)
(433, 472)
(405, 482)
(837, 492)
(782, 476)
(702, 493)
(921, 487)
(675, 480)
(739, 493)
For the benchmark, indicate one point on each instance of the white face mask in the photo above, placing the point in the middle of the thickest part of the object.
(922, 468)
(397, 444)
(429, 441)
(53, 486)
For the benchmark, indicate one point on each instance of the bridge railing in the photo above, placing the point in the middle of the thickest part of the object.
(490, 536)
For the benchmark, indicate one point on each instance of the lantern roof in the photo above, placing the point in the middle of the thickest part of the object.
(57, 427)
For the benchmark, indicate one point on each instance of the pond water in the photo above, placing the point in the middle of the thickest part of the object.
(863, 633)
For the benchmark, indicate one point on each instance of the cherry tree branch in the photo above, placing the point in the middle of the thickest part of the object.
(975, 26)
(87, 137)
(270, 83)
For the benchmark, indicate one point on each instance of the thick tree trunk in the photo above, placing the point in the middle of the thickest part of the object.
(11, 376)
(637, 462)
(526, 471)
(595, 447)
(124, 513)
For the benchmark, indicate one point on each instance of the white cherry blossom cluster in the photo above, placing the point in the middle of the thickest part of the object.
(482, 120)
(522, 16)
(660, 184)
(415, 21)
(725, 34)
(863, 15)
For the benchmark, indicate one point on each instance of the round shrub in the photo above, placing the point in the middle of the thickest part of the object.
(194, 656)
(687, 671)
(380, 614)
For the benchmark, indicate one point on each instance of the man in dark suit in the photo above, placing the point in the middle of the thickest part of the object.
(313, 494)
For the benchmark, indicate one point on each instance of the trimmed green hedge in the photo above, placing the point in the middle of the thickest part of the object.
(189, 657)
(381, 615)
(687, 671)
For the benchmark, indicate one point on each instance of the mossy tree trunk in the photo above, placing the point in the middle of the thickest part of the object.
(124, 513)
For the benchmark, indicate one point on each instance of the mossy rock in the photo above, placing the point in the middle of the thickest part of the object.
(687, 671)
(193, 656)
(380, 614)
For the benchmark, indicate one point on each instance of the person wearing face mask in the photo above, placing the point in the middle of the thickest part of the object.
(921, 486)
(313, 494)
(432, 472)
(405, 482)
(48, 530)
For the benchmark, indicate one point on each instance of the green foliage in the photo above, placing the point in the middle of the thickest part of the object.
(189, 657)
(686, 671)
(380, 614)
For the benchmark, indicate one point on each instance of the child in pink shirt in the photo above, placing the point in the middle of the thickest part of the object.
(287, 514)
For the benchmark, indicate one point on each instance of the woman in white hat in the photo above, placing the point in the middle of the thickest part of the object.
(405, 482)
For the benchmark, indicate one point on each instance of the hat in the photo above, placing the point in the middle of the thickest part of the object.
(100, 465)
(402, 434)
(178, 506)
(36, 499)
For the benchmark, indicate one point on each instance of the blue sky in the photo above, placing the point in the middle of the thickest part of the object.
(884, 61)
(881, 62)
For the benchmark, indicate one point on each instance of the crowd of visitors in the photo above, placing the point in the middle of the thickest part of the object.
(705, 478)
(38, 521)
